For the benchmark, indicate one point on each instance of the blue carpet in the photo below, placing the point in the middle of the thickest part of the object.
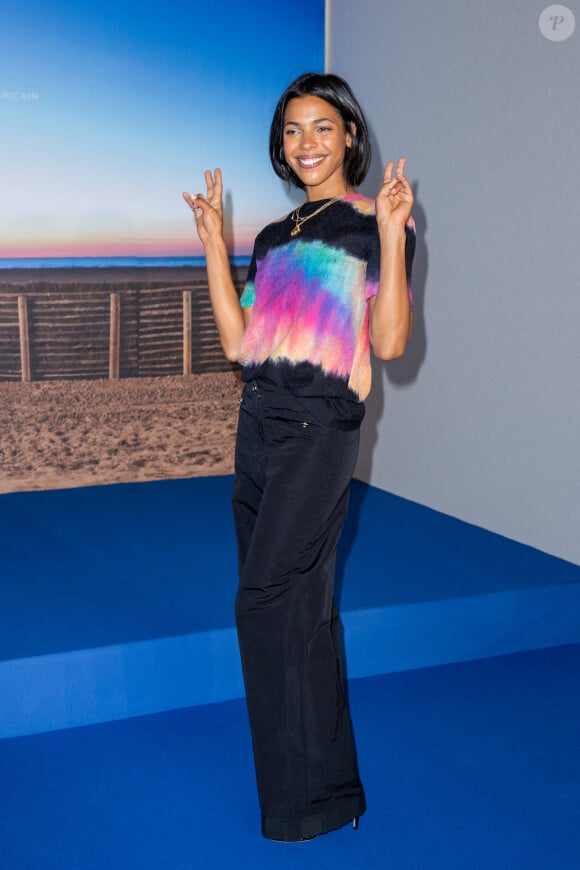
(102, 565)
(117, 601)
(469, 766)
(91, 567)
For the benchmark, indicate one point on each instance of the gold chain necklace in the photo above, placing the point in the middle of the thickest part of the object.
(298, 221)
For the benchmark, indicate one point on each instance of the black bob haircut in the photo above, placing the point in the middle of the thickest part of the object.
(337, 92)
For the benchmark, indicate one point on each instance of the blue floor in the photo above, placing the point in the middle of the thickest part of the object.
(469, 766)
(117, 601)
(97, 566)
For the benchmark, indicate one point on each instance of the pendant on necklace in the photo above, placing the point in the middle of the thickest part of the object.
(294, 232)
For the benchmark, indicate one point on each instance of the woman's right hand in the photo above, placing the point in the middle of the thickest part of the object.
(208, 210)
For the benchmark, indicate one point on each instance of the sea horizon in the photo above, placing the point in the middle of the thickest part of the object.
(110, 262)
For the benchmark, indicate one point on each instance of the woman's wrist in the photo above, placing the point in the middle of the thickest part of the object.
(392, 238)
(215, 244)
(390, 230)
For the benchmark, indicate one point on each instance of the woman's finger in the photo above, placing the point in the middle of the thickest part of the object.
(209, 183)
(198, 204)
(214, 187)
(189, 199)
(388, 173)
(218, 183)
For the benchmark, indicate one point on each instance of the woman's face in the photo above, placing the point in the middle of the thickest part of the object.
(314, 144)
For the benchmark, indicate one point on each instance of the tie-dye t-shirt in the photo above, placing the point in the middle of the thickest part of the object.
(308, 329)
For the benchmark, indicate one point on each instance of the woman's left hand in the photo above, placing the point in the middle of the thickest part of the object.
(395, 198)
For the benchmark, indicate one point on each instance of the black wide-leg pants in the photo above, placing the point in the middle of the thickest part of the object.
(290, 500)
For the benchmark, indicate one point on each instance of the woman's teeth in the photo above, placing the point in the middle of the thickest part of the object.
(310, 161)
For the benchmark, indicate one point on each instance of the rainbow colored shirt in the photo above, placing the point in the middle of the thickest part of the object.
(308, 329)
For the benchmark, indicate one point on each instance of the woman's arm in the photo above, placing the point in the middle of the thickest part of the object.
(228, 314)
(391, 313)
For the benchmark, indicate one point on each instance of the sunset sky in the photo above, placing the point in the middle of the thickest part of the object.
(109, 111)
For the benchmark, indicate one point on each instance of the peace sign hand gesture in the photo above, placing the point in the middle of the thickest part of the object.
(395, 198)
(208, 210)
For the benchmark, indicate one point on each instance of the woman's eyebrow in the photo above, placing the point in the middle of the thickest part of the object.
(316, 121)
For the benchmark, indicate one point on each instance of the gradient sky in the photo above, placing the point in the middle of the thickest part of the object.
(109, 110)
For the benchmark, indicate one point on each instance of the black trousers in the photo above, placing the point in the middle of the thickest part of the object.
(290, 500)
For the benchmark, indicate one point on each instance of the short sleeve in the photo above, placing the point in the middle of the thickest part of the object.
(373, 264)
(374, 261)
(410, 239)
(248, 296)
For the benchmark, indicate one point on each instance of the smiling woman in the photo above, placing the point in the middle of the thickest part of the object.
(323, 282)
(341, 120)
(315, 142)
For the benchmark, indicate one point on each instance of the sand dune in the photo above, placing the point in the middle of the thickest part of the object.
(78, 433)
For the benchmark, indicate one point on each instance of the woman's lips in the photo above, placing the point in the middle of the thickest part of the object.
(310, 162)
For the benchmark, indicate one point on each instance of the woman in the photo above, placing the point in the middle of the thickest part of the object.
(325, 282)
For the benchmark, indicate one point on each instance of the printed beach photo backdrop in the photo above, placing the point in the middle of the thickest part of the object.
(110, 364)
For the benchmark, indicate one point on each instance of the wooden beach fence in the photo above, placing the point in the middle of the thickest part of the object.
(104, 331)
(115, 336)
(24, 335)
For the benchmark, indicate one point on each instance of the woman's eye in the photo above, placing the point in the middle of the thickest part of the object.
(323, 129)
